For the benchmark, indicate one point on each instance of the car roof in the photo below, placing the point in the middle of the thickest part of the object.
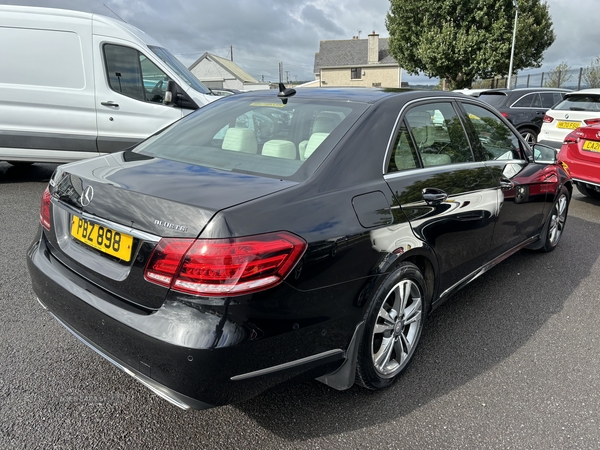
(585, 91)
(524, 90)
(363, 95)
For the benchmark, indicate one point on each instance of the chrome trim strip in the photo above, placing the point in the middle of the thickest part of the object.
(106, 223)
(487, 266)
(585, 182)
(146, 381)
(402, 173)
(287, 365)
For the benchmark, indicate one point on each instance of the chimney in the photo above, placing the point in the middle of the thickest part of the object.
(373, 56)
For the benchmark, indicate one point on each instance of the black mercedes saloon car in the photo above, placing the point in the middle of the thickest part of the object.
(278, 236)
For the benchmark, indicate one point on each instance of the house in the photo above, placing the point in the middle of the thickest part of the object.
(218, 73)
(358, 63)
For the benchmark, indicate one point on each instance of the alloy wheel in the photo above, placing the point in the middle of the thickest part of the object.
(557, 221)
(397, 328)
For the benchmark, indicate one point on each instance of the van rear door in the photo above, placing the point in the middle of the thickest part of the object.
(130, 88)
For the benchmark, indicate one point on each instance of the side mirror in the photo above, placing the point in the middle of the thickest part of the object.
(542, 154)
(175, 96)
(170, 93)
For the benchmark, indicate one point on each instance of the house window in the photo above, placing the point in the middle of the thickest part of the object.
(355, 73)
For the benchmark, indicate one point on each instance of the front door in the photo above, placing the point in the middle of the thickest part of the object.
(130, 90)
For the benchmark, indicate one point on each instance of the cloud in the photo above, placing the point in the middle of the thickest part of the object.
(264, 32)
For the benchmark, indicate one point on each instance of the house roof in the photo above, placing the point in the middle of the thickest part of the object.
(350, 52)
(228, 65)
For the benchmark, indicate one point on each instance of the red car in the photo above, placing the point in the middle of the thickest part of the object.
(580, 155)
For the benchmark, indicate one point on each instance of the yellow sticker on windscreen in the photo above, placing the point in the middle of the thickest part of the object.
(271, 105)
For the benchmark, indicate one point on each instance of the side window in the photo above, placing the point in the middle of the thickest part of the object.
(438, 134)
(404, 156)
(155, 81)
(497, 140)
(524, 102)
(549, 99)
(537, 101)
(132, 74)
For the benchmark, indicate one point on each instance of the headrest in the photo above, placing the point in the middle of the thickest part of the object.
(313, 143)
(279, 149)
(240, 140)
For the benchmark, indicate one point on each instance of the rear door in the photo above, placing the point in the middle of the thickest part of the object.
(449, 198)
(130, 89)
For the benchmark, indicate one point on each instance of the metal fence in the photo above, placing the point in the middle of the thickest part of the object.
(582, 78)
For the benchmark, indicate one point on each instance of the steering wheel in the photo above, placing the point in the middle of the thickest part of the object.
(156, 90)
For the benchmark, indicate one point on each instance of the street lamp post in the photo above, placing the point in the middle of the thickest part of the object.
(512, 51)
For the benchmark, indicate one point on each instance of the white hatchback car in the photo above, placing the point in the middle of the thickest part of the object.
(577, 109)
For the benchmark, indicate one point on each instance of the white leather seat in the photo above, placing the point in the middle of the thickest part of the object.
(312, 144)
(240, 140)
(430, 159)
(279, 149)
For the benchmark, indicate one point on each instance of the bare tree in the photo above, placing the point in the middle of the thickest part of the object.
(558, 77)
(591, 75)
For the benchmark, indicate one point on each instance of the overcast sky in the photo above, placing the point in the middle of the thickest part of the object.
(264, 33)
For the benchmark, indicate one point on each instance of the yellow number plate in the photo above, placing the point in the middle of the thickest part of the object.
(102, 238)
(592, 146)
(568, 125)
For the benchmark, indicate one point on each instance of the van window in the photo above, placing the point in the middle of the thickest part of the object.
(47, 58)
(131, 73)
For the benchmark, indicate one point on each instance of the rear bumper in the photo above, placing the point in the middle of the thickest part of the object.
(190, 355)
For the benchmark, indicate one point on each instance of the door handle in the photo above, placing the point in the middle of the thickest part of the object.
(110, 104)
(433, 196)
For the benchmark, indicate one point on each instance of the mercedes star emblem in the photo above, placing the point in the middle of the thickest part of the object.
(87, 195)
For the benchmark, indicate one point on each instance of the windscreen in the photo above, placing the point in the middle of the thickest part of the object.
(252, 135)
(495, 99)
(177, 67)
(579, 103)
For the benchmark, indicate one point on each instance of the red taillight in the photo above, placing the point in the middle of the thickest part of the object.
(573, 137)
(221, 267)
(505, 114)
(548, 119)
(592, 121)
(45, 209)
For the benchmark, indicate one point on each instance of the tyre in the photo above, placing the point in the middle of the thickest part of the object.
(529, 135)
(556, 221)
(393, 325)
(588, 192)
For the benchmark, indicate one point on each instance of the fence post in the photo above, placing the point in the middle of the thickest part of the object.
(542, 82)
(580, 75)
(558, 81)
(528, 76)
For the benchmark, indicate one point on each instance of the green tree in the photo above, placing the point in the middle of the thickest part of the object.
(463, 39)
(591, 75)
(559, 76)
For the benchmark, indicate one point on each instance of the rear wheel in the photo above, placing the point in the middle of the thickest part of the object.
(529, 135)
(588, 192)
(556, 221)
(393, 326)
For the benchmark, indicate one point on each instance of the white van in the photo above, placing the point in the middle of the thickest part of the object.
(75, 85)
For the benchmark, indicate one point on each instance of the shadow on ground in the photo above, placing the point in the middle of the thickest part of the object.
(481, 326)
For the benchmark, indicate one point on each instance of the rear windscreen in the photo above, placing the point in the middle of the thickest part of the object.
(495, 99)
(256, 135)
(579, 103)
